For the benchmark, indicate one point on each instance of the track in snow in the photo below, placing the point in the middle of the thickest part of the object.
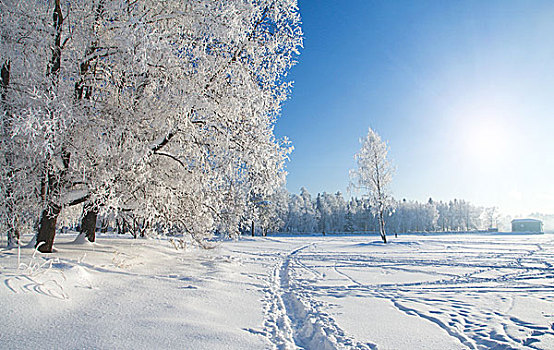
(294, 320)
(454, 301)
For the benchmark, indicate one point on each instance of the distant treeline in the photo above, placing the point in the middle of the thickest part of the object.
(331, 213)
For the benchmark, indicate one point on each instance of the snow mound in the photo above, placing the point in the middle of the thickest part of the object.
(73, 275)
(82, 239)
(78, 274)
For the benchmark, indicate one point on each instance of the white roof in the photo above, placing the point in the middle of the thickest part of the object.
(525, 220)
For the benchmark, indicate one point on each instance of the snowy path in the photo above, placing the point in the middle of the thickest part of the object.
(432, 292)
(294, 320)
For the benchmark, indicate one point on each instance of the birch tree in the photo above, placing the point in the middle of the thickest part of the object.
(374, 175)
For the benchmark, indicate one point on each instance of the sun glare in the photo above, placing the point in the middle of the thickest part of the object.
(486, 142)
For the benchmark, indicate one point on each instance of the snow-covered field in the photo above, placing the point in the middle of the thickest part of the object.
(417, 292)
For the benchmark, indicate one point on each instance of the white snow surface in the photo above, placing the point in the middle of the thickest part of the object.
(335, 292)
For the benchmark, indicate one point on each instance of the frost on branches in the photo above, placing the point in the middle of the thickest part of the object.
(374, 174)
(160, 113)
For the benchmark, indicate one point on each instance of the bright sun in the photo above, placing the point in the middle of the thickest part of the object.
(486, 142)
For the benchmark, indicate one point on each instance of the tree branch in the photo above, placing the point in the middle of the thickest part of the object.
(174, 158)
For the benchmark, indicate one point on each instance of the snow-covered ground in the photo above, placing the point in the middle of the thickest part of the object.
(345, 292)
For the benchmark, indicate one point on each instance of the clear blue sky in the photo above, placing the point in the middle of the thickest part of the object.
(462, 90)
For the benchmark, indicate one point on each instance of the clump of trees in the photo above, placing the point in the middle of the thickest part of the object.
(158, 112)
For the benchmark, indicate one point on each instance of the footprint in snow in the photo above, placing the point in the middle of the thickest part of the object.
(188, 287)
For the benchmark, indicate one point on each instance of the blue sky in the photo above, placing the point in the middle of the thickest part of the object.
(462, 90)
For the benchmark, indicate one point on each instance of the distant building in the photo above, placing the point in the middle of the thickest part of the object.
(526, 225)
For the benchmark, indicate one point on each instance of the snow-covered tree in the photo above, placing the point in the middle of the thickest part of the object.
(373, 175)
(339, 212)
(325, 212)
(274, 214)
(159, 111)
(294, 214)
(40, 49)
(308, 212)
(302, 215)
(443, 220)
(490, 217)
(331, 212)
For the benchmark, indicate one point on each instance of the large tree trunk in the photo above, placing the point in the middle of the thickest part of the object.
(252, 228)
(51, 186)
(47, 228)
(50, 190)
(88, 221)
